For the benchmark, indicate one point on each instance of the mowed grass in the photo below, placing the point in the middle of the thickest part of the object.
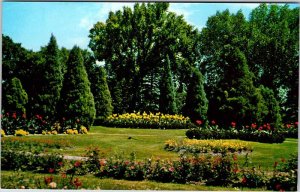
(149, 143)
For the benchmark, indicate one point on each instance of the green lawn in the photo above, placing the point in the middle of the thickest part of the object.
(146, 143)
(149, 143)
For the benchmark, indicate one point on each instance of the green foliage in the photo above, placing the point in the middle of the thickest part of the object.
(134, 52)
(49, 94)
(77, 101)
(196, 101)
(167, 101)
(99, 87)
(239, 92)
(15, 97)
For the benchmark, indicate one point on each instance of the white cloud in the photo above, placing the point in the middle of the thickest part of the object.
(86, 22)
(107, 7)
(82, 42)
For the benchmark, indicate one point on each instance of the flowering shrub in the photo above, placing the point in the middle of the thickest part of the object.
(2, 133)
(72, 132)
(144, 120)
(83, 130)
(21, 132)
(290, 130)
(265, 133)
(207, 146)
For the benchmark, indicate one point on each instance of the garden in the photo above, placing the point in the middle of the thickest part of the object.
(164, 112)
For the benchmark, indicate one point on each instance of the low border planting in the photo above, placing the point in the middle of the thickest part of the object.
(207, 146)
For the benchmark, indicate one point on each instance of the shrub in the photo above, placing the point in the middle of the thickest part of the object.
(144, 120)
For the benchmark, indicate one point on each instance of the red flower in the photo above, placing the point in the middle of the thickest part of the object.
(244, 180)
(260, 128)
(213, 122)
(48, 180)
(268, 126)
(275, 164)
(233, 124)
(288, 126)
(51, 170)
(102, 162)
(171, 169)
(14, 115)
(77, 164)
(265, 126)
(234, 157)
(77, 183)
(253, 126)
(60, 163)
(199, 122)
(236, 169)
(278, 187)
(126, 162)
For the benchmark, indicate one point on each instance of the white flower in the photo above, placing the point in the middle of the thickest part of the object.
(52, 185)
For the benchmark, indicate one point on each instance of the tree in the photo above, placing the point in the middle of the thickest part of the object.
(237, 90)
(52, 80)
(167, 103)
(77, 101)
(196, 101)
(133, 44)
(274, 52)
(15, 97)
(99, 87)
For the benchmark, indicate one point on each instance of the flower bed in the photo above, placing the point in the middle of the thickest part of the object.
(20, 125)
(208, 146)
(265, 133)
(144, 120)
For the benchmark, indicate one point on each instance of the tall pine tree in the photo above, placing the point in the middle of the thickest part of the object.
(196, 102)
(102, 97)
(77, 101)
(167, 100)
(52, 80)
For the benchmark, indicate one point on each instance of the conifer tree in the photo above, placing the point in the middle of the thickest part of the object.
(77, 101)
(239, 93)
(196, 102)
(52, 80)
(102, 97)
(167, 102)
(15, 97)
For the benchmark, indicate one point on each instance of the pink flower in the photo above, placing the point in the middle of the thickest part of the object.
(288, 126)
(233, 124)
(213, 122)
(296, 123)
(60, 163)
(77, 164)
(199, 122)
(171, 169)
(51, 170)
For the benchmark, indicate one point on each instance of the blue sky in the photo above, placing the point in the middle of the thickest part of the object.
(31, 23)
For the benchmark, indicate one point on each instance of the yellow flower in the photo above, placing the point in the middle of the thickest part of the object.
(2, 133)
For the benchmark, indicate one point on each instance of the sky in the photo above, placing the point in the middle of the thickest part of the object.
(31, 23)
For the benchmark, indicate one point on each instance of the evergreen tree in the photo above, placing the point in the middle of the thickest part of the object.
(52, 80)
(77, 101)
(196, 102)
(273, 113)
(15, 97)
(238, 102)
(167, 100)
(102, 97)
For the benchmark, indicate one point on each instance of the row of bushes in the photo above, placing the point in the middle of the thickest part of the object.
(20, 125)
(208, 146)
(265, 133)
(148, 120)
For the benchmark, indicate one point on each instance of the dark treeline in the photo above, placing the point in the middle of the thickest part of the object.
(235, 69)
